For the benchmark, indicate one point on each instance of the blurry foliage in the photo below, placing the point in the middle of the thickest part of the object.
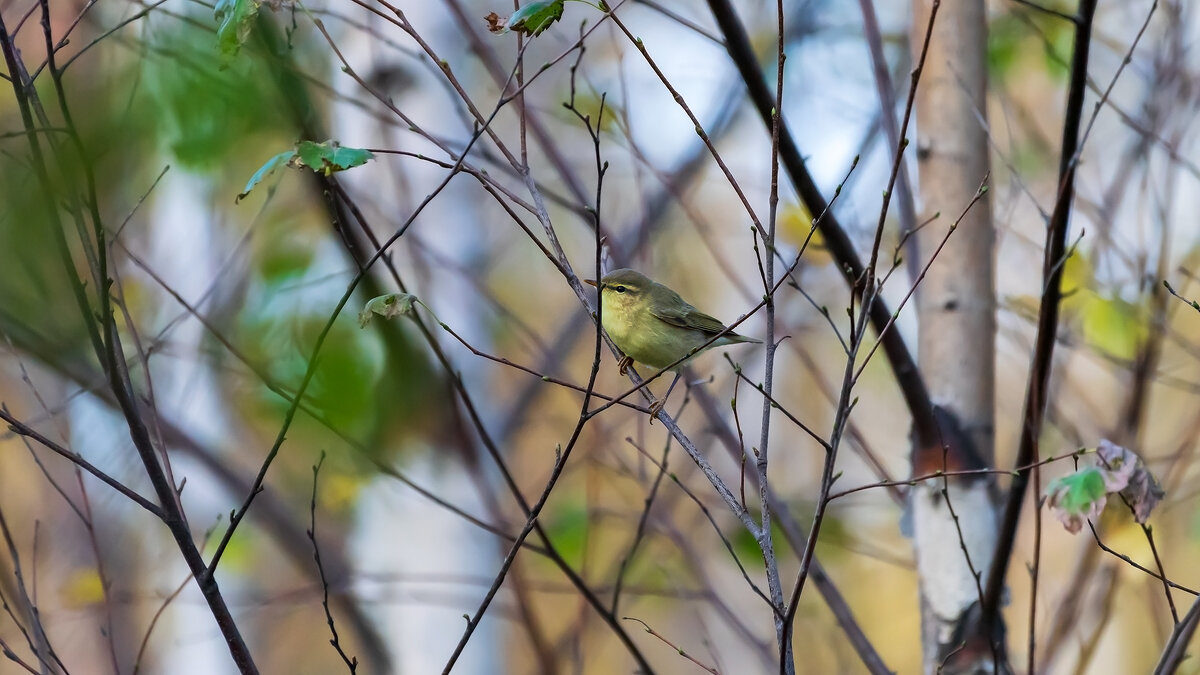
(1114, 326)
(746, 546)
(587, 102)
(1014, 36)
(114, 125)
(345, 377)
(284, 261)
(239, 555)
(833, 532)
(234, 18)
(1105, 320)
(355, 387)
(350, 365)
(37, 298)
(1060, 40)
(338, 491)
(212, 119)
(205, 114)
(1030, 158)
(1006, 35)
(568, 526)
(82, 588)
(1077, 276)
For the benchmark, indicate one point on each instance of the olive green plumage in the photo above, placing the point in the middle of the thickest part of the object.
(652, 324)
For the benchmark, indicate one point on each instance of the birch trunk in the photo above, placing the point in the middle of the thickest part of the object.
(956, 311)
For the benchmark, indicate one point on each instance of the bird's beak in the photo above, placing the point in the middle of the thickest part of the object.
(591, 282)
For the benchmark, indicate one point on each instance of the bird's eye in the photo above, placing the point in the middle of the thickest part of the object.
(619, 289)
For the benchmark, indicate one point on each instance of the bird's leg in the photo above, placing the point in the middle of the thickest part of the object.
(657, 406)
(623, 365)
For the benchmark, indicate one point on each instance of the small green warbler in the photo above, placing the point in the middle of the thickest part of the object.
(651, 324)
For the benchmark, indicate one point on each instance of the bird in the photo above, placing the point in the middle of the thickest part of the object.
(653, 325)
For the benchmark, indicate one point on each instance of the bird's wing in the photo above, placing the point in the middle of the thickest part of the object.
(685, 316)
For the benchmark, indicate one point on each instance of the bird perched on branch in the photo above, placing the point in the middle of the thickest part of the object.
(651, 324)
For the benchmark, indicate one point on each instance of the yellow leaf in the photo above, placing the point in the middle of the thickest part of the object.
(339, 490)
(1076, 282)
(795, 223)
(1112, 326)
(82, 588)
(1122, 533)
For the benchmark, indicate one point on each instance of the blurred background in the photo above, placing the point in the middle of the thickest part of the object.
(220, 304)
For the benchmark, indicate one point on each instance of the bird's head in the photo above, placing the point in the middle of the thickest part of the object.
(623, 289)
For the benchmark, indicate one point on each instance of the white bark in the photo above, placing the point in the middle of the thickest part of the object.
(956, 311)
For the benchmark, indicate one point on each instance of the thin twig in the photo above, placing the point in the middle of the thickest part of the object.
(351, 662)
(640, 530)
(667, 642)
(704, 510)
(915, 480)
(1121, 556)
(563, 453)
(20, 428)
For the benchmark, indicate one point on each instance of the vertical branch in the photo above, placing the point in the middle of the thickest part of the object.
(787, 664)
(1047, 327)
(842, 414)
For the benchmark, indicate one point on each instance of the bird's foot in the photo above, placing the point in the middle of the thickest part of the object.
(623, 365)
(655, 408)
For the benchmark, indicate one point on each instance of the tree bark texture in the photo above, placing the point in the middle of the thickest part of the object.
(956, 309)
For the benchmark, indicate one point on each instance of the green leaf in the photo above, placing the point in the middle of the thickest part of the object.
(329, 157)
(235, 19)
(1082, 495)
(1078, 497)
(265, 170)
(388, 306)
(535, 17)
(325, 158)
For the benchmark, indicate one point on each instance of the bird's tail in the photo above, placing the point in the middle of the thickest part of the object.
(733, 338)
